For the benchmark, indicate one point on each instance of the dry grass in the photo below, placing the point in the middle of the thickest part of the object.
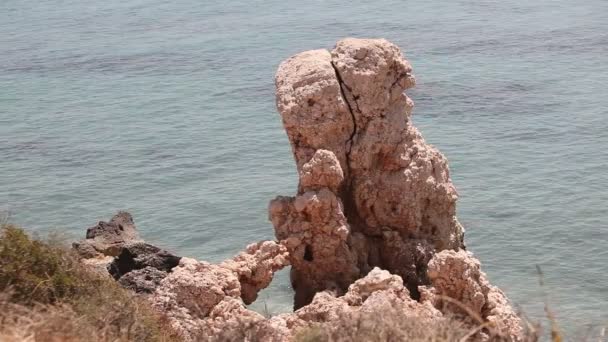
(387, 326)
(37, 272)
(47, 295)
(392, 326)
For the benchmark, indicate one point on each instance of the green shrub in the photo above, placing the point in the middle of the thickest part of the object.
(35, 271)
(46, 294)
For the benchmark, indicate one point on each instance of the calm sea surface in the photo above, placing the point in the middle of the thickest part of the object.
(166, 109)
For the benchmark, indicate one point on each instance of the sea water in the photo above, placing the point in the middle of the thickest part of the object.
(166, 109)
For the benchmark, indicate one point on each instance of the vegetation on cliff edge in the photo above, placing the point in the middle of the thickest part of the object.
(46, 294)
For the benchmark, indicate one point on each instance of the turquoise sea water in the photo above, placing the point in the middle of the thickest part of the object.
(166, 109)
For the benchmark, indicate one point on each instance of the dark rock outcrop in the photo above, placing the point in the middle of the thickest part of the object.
(108, 238)
(144, 280)
(141, 255)
(116, 248)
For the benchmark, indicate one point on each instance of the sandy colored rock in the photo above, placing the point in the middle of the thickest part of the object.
(376, 280)
(99, 263)
(397, 181)
(315, 115)
(191, 291)
(203, 300)
(197, 287)
(374, 293)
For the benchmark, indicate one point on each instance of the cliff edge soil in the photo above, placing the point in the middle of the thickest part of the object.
(372, 225)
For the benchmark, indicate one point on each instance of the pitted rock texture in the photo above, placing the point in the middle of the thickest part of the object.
(372, 228)
(313, 228)
(315, 114)
(256, 266)
(115, 248)
(202, 302)
(189, 294)
(144, 280)
(140, 255)
(141, 266)
(372, 192)
(108, 238)
(201, 299)
(458, 276)
(323, 170)
(376, 293)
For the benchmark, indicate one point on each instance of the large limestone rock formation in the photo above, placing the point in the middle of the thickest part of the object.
(372, 229)
(371, 191)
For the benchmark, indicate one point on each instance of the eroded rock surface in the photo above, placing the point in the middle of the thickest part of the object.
(372, 192)
(372, 228)
(115, 248)
(202, 300)
(141, 255)
(458, 276)
(108, 238)
(144, 280)
(256, 266)
(141, 266)
(372, 225)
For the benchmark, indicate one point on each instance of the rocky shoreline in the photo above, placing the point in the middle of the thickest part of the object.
(372, 227)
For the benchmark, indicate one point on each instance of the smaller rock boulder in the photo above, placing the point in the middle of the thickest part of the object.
(144, 280)
(141, 255)
(107, 238)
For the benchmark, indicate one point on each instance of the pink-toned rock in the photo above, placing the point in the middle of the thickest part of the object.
(370, 189)
(458, 275)
(372, 226)
(314, 113)
(191, 291)
(375, 281)
(313, 228)
(375, 293)
(397, 181)
(380, 290)
(323, 170)
(256, 266)
(203, 299)
(371, 193)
